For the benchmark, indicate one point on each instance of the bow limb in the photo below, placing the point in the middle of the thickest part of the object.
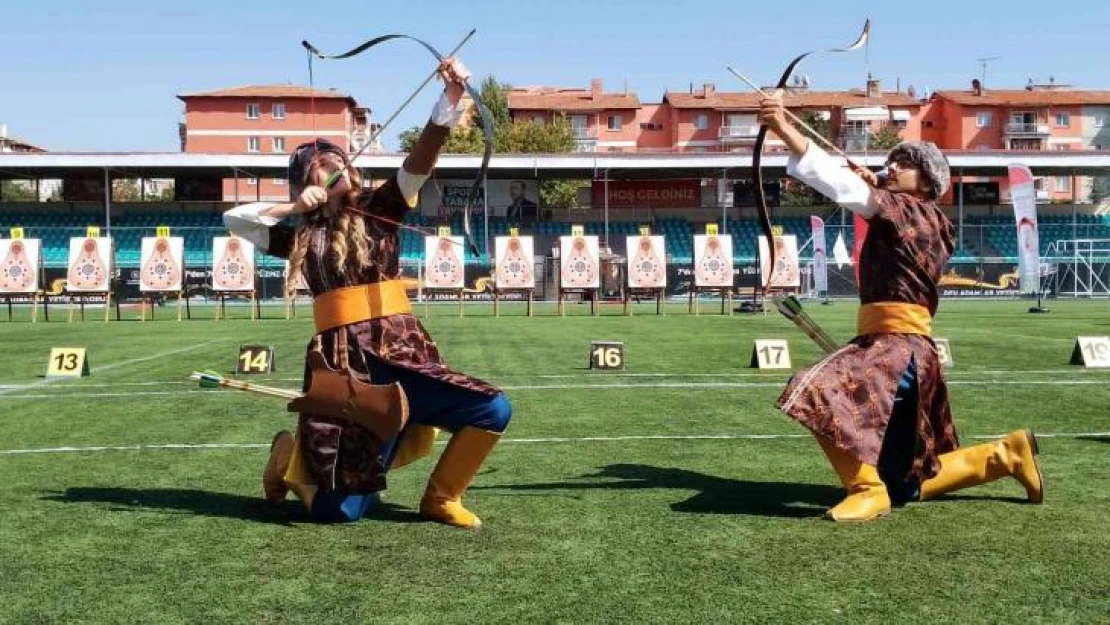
(761, 137)
(483, 112)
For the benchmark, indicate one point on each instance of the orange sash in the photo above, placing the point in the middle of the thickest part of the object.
(894, 318)
(340, 307)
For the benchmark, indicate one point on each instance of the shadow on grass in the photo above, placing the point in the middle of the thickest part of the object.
(1094, 439)
(715, 495)
(211, 504)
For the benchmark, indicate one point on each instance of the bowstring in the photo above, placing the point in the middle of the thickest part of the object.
(316, 146)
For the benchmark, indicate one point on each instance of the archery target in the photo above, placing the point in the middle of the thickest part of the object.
(713, 260)
(19, 265)
(515, 258)
(579, 268)
(233, 266)
(443, 263)
(161, 264)
(784, 271)
(90, 265)
(647, 266)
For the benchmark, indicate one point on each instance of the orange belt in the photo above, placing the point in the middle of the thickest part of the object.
(352, 304)
(894, 318)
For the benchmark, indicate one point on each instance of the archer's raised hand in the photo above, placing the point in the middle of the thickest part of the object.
(772, 112)
(454, 76)
(868, 176)
(310, 199)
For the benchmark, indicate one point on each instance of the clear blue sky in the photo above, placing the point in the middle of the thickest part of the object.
(81, 76)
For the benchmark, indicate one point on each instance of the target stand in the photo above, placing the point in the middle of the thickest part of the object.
(21, 298)
(251, 296)
(497, 293)
(429, 292)
(656, 293)
(695, 302)
(149, 299)
(592, 293)
(78, 299)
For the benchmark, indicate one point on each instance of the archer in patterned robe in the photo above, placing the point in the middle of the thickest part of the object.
(334, 465)
(879, 405)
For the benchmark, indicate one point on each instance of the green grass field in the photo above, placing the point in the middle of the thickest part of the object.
(674, 492)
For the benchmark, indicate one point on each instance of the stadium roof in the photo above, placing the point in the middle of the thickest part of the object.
(580, 165)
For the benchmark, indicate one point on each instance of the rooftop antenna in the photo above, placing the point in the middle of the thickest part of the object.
(983, 63)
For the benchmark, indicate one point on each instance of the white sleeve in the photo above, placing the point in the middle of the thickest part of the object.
(832, 180)
(246, 222)
(443, 114)
(410, 184)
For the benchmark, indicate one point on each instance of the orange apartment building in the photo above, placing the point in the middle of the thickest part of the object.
(709, 120)
(600, 121)
(269, 119)
(706, 120)
(1039, 117)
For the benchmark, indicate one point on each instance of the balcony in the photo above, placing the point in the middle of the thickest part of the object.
(853, 140)
(585, 140)
(732, 134)
(1022, 128)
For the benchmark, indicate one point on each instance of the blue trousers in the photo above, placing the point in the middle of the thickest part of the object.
(900, 441)
(431, 402)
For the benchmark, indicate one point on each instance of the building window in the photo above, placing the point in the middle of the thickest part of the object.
(538, 120)
(614, 123)
(701, 121)
(1061, 147)
(579, 126)
(254, 110)
(279, 182)
(651, 126)
(900, 124)
(252, 182)
(1063, 120)
(279, 110)
(278, 144)
(254, 144)
(983, 119)
(1100, 120)
(1062, 183)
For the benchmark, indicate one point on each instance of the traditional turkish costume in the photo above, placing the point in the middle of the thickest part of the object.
(367, 336)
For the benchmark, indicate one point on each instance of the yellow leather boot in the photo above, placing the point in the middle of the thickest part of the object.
(458, 465)
(274, 487)
(1012, 456)
(416, 443)
(867, 496)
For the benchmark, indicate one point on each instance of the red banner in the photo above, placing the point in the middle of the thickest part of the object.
(685, 193)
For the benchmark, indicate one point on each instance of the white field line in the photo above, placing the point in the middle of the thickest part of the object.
(781, 375)
(546, 387)
(7, 389)
(547, 440)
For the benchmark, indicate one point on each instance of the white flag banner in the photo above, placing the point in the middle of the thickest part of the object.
(1024, 196)
(840, 251)
(820, 255)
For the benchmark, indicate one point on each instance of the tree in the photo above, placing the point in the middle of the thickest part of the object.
(511, 137)
(1100, 189)
(793, 192)
(886, 138)
(818, 123)
(17, 191)
(125, 190)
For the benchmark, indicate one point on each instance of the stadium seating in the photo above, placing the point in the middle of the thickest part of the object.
(984, 236)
